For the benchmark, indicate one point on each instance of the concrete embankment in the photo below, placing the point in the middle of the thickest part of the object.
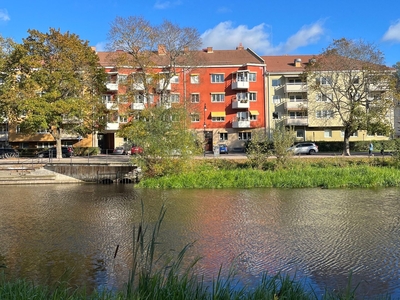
(58, 173)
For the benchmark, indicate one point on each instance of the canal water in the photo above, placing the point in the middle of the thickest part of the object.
(317, 235)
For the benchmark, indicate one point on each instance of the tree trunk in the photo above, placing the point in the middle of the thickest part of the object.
(57, 137)
(346, 145)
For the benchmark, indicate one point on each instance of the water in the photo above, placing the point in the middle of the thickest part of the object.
(319, 234)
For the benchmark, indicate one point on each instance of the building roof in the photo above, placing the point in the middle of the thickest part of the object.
(205, 57)
(286, 63)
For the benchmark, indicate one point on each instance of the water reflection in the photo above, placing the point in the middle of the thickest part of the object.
(322, 234)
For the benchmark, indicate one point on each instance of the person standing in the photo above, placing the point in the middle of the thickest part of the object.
(370, 149)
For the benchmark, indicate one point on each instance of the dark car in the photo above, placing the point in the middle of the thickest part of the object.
(8, 152)
(223, 149)
(52, 152)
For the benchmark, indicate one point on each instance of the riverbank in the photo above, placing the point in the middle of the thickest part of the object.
(296, 173)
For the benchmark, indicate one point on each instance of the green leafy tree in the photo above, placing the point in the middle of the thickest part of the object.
(53, 81)
(259, 149)
(350, 80)
(283, 138)
(155, 55)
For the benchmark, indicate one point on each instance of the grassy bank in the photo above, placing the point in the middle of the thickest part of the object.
(297, 173)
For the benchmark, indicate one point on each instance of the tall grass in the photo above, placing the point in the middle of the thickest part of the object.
(297, 176)
(165, 277)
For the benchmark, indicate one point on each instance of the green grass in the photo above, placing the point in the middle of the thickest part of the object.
(354, 174)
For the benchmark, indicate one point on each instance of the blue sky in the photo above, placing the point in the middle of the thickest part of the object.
(267, 27)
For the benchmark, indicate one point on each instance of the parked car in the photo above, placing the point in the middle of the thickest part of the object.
(52, 152)
(304, 148)
(223, 149)
(8, 152)
(136, 150)
(119, 151)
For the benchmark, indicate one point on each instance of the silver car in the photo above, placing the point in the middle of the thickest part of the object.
(304, 148)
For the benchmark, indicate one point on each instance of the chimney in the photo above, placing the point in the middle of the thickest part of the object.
(161, 50)
(93, 48)
(240, 47)
(209, 50)
(297, 62)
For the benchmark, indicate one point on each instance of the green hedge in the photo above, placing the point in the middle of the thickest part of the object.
(85, 151)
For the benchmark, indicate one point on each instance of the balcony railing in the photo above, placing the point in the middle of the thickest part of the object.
(137, 106)
(162, 86)
(112, 86)
(296, 121)
(138, 86)
(297, 104)
(240, 85)
(112, 126)
(112, 105)
(241, 123)
(295, 87)
(238, 104)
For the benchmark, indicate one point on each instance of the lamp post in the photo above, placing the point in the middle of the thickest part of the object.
(204, 128)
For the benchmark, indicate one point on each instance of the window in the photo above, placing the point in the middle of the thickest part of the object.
(324, 80)
(324, 114)
(122, 78)
(194, 79)
(42, 130)
(276, 82)
(276, 99)
(123, 119)
(45, 145)
(195, 98)
(356, 80)
(223, 136)
(139, 98)
(194, 118)
(252, 96)
(175, 78)
(217, 97)
(300, 133)
(252, 77)
(218, 119)
(217, 78)
(107, 98)
(328, 133)
(244, 136)
(174, 98)
(295, 81)
(242, 116)
(324, 98)
(253, 117)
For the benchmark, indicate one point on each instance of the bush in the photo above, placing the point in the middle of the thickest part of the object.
(85, 151)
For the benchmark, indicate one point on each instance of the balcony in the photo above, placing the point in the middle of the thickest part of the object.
(137, 106)
(295, 87)
(296, 121)
(241, 123)
(138, 86)
(239, 104)
(112, 126)
(378, 87)
(240, 85)
(112, 105)
(297, 104)
(162, 86)
(112, 86)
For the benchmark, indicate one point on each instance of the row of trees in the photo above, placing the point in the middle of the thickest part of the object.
(55, 82)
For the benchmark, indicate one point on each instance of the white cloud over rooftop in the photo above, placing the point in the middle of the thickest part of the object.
(225, 36)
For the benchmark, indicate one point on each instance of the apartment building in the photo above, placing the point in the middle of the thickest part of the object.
(291, 103)
(224, 93)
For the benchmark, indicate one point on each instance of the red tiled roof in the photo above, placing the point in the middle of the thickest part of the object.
(286, 63)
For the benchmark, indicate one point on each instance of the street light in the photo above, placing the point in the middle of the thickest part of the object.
(204, 128)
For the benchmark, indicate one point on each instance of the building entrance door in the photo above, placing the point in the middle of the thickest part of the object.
(208, 139)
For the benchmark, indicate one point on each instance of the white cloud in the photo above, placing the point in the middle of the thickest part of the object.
(225, 36)
(393, 33)
(308, 34)
(4, 15)
(166, 4)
